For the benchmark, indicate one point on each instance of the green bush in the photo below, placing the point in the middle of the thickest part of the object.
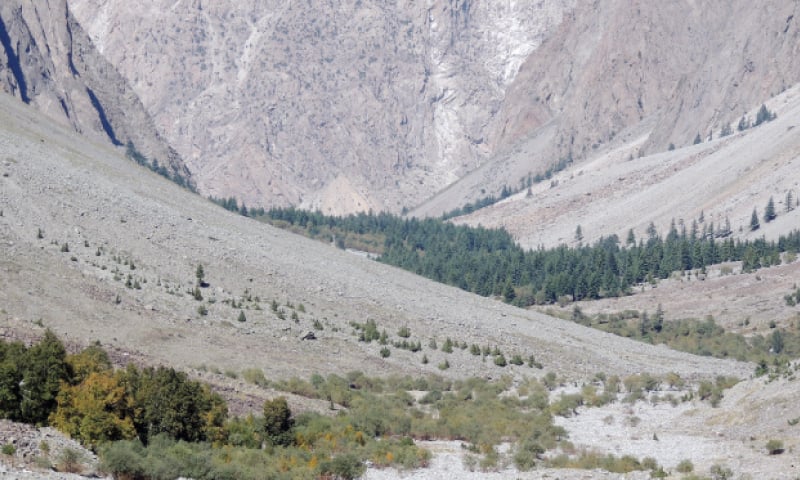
(70, 460)
(278, 421)
(255, 376)
(500, 360)
(685, 466)
(345, 466)
(123, 459)
(774, 447)
(9, 449)
(720, 472)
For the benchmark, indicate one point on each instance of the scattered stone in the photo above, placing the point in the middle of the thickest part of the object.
(309, 335)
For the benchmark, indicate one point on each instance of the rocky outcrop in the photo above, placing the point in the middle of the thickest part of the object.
(48, 61)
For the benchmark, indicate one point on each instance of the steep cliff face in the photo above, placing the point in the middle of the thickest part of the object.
(636, 75)
(338, 105)
(47, 60)
(691, 67)
(354, 105)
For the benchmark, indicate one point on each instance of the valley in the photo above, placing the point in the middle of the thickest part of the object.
(633, 266)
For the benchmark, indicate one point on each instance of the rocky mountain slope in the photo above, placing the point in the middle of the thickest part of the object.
(356, 105)
(48, 61)
(133, 241)
(642, 75)
(719, 181)
(344, 106)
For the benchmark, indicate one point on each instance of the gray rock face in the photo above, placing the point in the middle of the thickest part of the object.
(690, 68)
(336, 105)
(354, 105)
(47, 60)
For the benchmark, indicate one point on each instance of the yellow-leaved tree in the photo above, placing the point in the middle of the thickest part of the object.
(96, 410)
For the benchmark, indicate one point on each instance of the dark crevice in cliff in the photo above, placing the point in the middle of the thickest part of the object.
(13, 63)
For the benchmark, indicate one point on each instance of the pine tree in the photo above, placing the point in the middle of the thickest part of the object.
(578, 235)
(44, 368)
(769, 212)
(754, 225)
(764, 115)
(200, 274)
(631, 240)
(744, 123)
(698, 139)
(789, 201)
(278, 421)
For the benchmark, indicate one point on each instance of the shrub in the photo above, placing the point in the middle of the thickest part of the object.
(70, 460)
(774, 447)
(123, 459)
(685, 466)
(528, 452)
(404, 332)
(385, 352)
(720, 472)
(9, 449)
(500, 360)
(241, 317)
(255, 376)
(345, 466)
(516, 360)
(447, 346)
(278, 421)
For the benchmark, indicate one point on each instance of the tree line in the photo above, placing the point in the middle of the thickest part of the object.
(488, 261)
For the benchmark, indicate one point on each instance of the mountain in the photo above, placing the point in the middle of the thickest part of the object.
(717, 182)
(641, 75)
(359, 105)
(47, 60)
(342, 106)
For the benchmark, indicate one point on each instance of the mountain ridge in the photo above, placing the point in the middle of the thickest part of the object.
(50, 62)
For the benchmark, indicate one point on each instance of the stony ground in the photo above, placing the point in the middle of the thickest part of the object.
(123, 225)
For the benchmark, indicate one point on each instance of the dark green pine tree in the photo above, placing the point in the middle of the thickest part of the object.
(754, 224)
(278, 422)
(744, 123)
(769, 212)
(43, 370)
(508, 292)
(789, 201)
